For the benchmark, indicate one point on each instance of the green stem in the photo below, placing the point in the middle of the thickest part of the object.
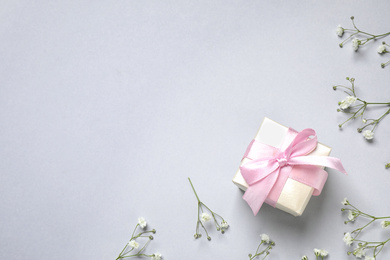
(137, 255)
(197, 224)
(205, 230)
(360, 229)
(379, 119)
(132, 235)
(194, 189)
(122, 251)
(367, 215)
(375, 103)
(383, 244)
(257, 250)
(342, 43)
(354, 114)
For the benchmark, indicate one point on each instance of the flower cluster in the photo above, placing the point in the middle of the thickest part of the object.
(265, 240)
(356, 108)
(318, 253)
(204, 216)
(364, 248)
(382, 50)
(365, 38)
(130, 249)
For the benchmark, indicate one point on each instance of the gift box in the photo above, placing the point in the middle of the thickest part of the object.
(284, 168)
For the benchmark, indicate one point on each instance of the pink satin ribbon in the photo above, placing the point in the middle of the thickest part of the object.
(270, 167)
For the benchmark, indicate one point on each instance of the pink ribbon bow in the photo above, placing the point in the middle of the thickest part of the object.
(270, 167)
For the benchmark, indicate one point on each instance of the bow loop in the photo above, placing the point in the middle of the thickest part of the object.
(302, 143)
(256, 170)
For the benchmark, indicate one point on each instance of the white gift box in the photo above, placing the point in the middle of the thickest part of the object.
(295, 195)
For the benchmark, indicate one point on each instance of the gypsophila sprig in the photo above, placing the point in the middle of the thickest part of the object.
(265, 241)
(319, 253)
(356, 107)
(369, 249)
(130, 249)
(359, 37)
(204, 216)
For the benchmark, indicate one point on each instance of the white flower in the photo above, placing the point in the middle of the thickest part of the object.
(265, 238)
(381, 49)
(368, 134)
(359, 252)
(369, 258)
(320, 252)
(134, 244)
(385, 223)
(304, 258)
(348, 239)
(156, 256)
(323, 252)
(142, 222)
(351, 216)
(364, 120)
(205, 217)
(224, 224)
(347, 102)
(355, 44)
(345, 201)
(340, 31)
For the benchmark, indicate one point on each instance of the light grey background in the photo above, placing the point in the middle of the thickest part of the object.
(107, 107)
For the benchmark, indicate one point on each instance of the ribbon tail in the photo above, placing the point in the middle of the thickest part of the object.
(256, 193)
(326, 161)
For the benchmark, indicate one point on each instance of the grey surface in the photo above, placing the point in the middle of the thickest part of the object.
(107, 107)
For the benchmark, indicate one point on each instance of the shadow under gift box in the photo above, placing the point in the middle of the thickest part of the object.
(295, 195)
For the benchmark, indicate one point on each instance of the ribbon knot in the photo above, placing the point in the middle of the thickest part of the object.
(266, 172)
(282, 162)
